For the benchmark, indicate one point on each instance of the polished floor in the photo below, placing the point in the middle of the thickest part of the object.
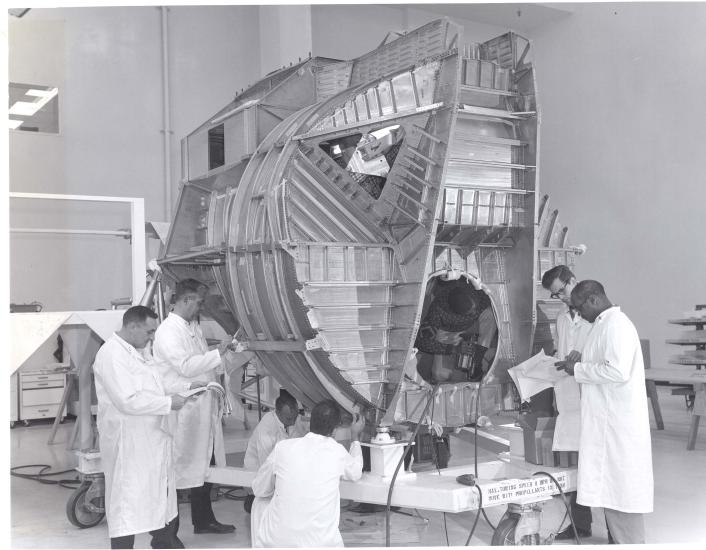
(39, 521)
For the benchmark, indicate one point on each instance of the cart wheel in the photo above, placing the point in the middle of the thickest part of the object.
(78, 512)
(61, 420)
(26, 422)
(12, 424)
(504, 534)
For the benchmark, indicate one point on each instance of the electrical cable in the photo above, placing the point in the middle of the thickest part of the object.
(446, 532)
(566, 504)
(401, 461)
(436, 461)
(475, 523)
(475, 444)
(39, 476)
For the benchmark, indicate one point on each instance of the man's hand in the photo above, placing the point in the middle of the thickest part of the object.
(225, 346)
(357, 426)
(567, 366)
(197, 384)
(574, 356)
(177, 402)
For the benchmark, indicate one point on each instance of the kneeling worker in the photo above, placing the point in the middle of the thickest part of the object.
(297, 488)
(136, 453)
(274, 427)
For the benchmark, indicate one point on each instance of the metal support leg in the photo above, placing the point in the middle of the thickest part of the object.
(60, 411)
(693, 430)
(652, 394)
(259, 404)
(699, 410)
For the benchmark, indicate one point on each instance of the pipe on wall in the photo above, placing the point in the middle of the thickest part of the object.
(166, 117)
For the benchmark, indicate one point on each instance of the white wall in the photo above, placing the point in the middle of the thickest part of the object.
(348, 31)
(107, 64)
(286, 36)
(622, 145)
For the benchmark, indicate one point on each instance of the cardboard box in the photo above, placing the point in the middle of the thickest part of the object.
(538, 432)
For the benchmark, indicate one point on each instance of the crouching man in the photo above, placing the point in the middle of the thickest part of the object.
(297, 492)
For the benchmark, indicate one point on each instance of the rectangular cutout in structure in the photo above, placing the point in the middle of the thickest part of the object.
(216, 147)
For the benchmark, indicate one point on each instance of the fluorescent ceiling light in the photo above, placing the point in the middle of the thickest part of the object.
(14, 124)
(42, 93)
(26, 108)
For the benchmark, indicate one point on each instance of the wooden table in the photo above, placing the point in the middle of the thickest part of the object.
(697, 378)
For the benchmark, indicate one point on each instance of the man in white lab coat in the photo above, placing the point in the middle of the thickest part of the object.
(136, 450)
(615, 451)
(297, 491)
(180, 350)
(572, 330)
(273, 427)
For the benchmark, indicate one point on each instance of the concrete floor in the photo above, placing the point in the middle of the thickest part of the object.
(38, 518)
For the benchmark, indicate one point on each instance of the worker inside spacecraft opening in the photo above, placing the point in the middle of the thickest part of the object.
(458, 335)
(368, 157)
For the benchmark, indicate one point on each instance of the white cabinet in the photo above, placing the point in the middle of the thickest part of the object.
(40, 394)
(14, 403)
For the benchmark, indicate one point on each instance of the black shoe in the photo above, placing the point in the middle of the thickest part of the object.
(173, 543)
(568, 534)
(214, 527)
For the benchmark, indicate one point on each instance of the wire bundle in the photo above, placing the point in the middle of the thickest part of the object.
(42, 475)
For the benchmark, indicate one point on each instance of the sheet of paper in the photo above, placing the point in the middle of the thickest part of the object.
(535, 374)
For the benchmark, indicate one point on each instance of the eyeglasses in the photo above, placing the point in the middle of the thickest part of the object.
(555, 295)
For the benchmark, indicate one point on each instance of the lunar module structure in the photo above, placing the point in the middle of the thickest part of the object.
(372, 227)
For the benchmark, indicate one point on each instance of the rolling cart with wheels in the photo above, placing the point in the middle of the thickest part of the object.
(86, 505)
(518, 526)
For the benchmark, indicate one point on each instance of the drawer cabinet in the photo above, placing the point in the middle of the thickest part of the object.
(40, 394)
(14, 401)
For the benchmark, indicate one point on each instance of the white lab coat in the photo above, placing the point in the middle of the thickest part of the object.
(266, 435)
(180, 350)
(615, 458)
(302, 477)
(571, 335)
(268, 432)
(136, 452)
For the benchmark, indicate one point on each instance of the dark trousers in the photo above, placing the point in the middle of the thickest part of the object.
(581, 514)
(161, 538)
(201, 510)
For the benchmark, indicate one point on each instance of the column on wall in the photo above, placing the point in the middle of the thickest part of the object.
(285, 35)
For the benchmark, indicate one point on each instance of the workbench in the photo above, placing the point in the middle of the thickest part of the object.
(508, 479)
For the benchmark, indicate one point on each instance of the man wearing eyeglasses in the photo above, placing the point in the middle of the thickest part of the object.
(615, 464)
(572, 330)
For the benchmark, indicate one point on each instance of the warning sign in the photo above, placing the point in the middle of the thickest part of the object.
(514, 490)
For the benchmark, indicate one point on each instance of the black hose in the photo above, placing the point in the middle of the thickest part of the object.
(436, 461)
(401, 461)
(566, 505)
(41, 475)
(475, 523)
(475, 444)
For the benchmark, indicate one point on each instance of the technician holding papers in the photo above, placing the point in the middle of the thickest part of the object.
(539, 373)
(572, 331)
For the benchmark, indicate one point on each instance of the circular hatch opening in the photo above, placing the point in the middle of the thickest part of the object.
(458, 334)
